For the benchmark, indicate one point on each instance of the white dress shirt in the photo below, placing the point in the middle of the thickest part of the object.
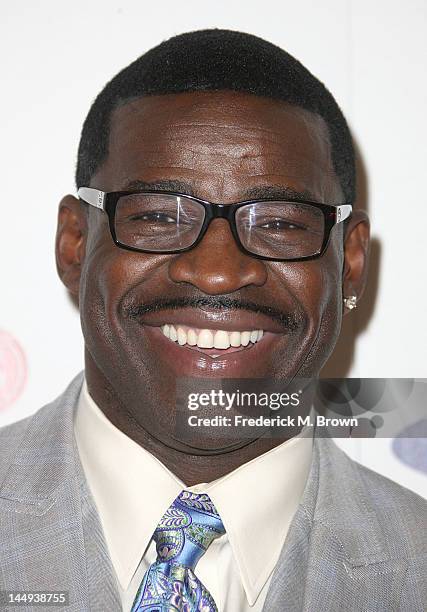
(132, 490)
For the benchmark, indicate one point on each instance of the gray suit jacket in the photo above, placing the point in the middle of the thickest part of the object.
(358, 541)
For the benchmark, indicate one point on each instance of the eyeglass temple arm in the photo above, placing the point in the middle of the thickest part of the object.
(343, 212)
(91, 196)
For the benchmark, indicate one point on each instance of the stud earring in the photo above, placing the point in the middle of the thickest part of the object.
(350, 302)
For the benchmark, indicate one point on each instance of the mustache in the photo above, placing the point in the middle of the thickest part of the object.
(289, 320)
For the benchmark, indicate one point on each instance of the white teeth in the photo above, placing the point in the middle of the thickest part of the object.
(207, 338)
(182, 336)
(245, 338)
(235, 339)
(191, 337)
(221, 340)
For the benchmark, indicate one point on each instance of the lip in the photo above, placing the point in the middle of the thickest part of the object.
(227, 319)
(184, 361)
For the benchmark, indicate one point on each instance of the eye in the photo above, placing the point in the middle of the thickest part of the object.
(153, 217)
(280, 224)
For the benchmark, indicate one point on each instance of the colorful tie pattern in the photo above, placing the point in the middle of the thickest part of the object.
(183, 535)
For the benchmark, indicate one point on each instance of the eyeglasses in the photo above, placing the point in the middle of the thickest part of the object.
(168, 222)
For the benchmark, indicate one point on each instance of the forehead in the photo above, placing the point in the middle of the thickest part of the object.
(219, 143)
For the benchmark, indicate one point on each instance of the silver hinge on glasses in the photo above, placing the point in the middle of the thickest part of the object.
(100, 199)
(343, 212)
(95, 197)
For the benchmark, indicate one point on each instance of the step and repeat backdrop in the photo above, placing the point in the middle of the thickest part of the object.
(371, 55)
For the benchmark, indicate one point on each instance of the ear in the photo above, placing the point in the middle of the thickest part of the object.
(70, 242)
(356, 255)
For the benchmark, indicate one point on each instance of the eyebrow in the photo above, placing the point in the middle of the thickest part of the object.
(163, 185)
(278, 191)
(259, 192)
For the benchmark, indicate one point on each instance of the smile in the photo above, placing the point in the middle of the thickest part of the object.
(210, 338)
(210, 342)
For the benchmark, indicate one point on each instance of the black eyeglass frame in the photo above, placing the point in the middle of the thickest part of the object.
(107, 201)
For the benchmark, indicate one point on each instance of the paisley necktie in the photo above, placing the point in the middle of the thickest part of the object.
(183, 535)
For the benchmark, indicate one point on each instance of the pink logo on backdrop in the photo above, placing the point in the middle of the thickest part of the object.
(13, 369)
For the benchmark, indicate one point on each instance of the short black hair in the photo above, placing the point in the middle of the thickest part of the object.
(214, 60)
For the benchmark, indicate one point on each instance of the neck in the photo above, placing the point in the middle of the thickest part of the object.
(189, 468)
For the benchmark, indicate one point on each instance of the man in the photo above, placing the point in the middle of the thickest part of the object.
(212, 237)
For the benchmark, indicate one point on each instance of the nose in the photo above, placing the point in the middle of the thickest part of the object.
(217, 265)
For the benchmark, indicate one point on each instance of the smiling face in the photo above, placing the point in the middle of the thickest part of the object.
(223, 147)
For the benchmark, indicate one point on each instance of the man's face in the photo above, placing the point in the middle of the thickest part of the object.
(223, 147)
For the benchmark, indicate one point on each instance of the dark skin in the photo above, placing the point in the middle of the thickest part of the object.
(224, 147)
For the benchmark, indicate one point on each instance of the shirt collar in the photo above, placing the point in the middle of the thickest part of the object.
(132, 490)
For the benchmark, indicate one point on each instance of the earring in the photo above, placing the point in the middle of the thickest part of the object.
(350, 302)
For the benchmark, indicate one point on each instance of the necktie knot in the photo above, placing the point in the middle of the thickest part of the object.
(187, 529)
(183, 535)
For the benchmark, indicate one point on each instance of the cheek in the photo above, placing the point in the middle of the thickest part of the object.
(316, 288)
(105, 276)
(109, 274)
(326, 301)
(330, 297)
(321, 279)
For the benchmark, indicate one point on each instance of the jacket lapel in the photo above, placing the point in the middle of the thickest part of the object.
(335, 556)
(45, 543)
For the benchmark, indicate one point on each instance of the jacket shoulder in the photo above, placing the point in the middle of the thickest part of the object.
(11, 438)
(15, 438)
(400, 513)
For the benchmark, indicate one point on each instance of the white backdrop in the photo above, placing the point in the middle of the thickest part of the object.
(57, 56)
